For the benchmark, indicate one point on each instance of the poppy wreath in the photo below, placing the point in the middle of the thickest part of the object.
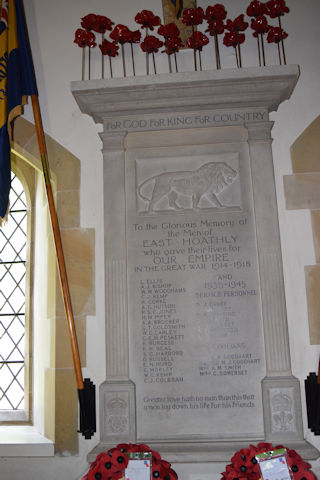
(111, 465)
(244, 465)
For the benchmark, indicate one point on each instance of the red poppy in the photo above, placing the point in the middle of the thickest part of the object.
(117, 475)
(156, 457)
(156, 469)
(151, 44)
(120, 34)
(147, 19)
(102, 24)
(293, 454)
(142, 447)
(260, 25)
(134, 36)
(256, 9)
(197, 41)
(119, 460)
(88, 22)
(242, 462)
(84, 38)
(237, 25)
(240, 455)
(217, 12)
(96, 461)
(233, 473)
(304, 474)
(232, 39)
(103, 469)
(264, 447)
(193, 16)
(277, 8)
(169, 31)
(297, 464)
(216, 27)
(109, 48)
(276, 34)
(173, 475)
(251, 457)
(172, 45)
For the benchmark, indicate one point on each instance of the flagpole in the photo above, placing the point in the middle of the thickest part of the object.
(85, 388)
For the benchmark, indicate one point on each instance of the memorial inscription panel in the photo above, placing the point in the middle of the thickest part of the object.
(195, 327)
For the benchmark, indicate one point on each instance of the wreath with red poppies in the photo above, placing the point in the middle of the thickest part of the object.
(111, 465)
(244, 464)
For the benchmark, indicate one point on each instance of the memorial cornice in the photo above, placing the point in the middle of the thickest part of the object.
(253, 87)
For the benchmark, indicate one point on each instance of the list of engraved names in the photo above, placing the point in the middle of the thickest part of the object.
(194, 296)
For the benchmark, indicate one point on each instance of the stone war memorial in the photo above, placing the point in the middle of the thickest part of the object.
(198, 362)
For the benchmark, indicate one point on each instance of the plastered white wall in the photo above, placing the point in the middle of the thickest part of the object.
(57, 62)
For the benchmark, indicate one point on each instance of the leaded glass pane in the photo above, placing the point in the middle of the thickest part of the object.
(13, 240)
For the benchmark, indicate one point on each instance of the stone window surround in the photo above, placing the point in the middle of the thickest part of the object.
(54, 429)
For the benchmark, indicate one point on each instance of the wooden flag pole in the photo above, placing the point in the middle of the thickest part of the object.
(87, 424)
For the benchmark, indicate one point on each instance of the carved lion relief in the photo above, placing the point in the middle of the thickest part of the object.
(208, 181)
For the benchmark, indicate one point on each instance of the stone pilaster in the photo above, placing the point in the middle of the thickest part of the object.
(281, 391)
(117, 394)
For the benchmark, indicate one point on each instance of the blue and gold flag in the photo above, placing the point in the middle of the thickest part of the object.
(176, 7)
(17, 81)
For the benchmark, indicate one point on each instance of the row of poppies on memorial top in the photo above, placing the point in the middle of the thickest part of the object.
(169, 35)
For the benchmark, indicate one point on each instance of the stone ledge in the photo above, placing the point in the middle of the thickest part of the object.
(212, 452)
(250, 87)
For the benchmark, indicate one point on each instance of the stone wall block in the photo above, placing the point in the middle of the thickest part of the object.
(66, 424)
(78, 246)
(68, 206)
(315, 220)
(63, 355)
(312, 274)
(302, 191)
(305, 151)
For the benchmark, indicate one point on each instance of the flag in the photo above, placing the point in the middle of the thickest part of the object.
(17, 81)
(176, 7)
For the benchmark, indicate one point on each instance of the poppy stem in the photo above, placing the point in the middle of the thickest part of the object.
(194, 51)
(154, 63)
(83, 62)
(110, 64)
(282, 44)
(89, 65)
(279, 53)
(102, 57)
(215, 48)
(240, 59)
(147, 55)
(169, 62)
(123, 60)
(175, 61)
(216, 43)
(200, 62)
(263, 54)
(132, 57)
(259, 53)
(235, 49)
